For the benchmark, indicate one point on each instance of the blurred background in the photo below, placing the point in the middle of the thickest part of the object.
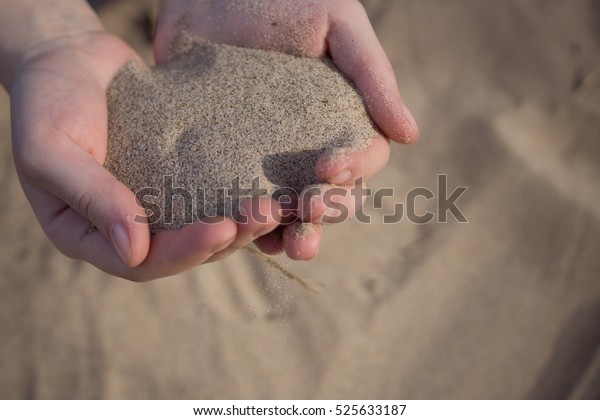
(507, 96)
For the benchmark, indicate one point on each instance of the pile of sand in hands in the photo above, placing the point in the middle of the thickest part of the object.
(217, 113)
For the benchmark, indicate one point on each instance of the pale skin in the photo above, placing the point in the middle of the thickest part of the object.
(56, 62)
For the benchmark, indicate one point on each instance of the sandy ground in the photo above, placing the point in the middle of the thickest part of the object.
(506, 306)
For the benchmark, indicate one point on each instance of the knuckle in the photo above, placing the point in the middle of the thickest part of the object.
(84, 203)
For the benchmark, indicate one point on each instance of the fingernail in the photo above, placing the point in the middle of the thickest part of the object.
(121, 242)
(341, 177)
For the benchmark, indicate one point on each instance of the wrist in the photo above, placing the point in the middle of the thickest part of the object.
(31, 27)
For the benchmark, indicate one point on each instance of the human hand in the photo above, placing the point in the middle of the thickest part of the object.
(59, 114)
(339, 29)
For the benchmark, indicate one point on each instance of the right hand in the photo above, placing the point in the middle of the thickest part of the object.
(339, 29)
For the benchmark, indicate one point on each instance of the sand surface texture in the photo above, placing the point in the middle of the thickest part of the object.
(507, 96)
(219, 118)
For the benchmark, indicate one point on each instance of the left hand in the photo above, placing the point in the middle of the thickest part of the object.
(339, 29)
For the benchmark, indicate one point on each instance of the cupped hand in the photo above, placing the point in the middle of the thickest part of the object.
(339, 29)
(59, 114)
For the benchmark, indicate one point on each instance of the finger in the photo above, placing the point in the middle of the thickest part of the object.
(326, 204)
(258, 217)
(271, 243)
(345, 166)
(79, 181)
(302, 240)
(332, 204)
(171, 252)
(356, 51)
(177, 251)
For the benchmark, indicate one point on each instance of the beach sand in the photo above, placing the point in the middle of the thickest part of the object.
(507, 96)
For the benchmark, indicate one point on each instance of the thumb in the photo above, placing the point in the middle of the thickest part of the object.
(88, 188)
(356, 51)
